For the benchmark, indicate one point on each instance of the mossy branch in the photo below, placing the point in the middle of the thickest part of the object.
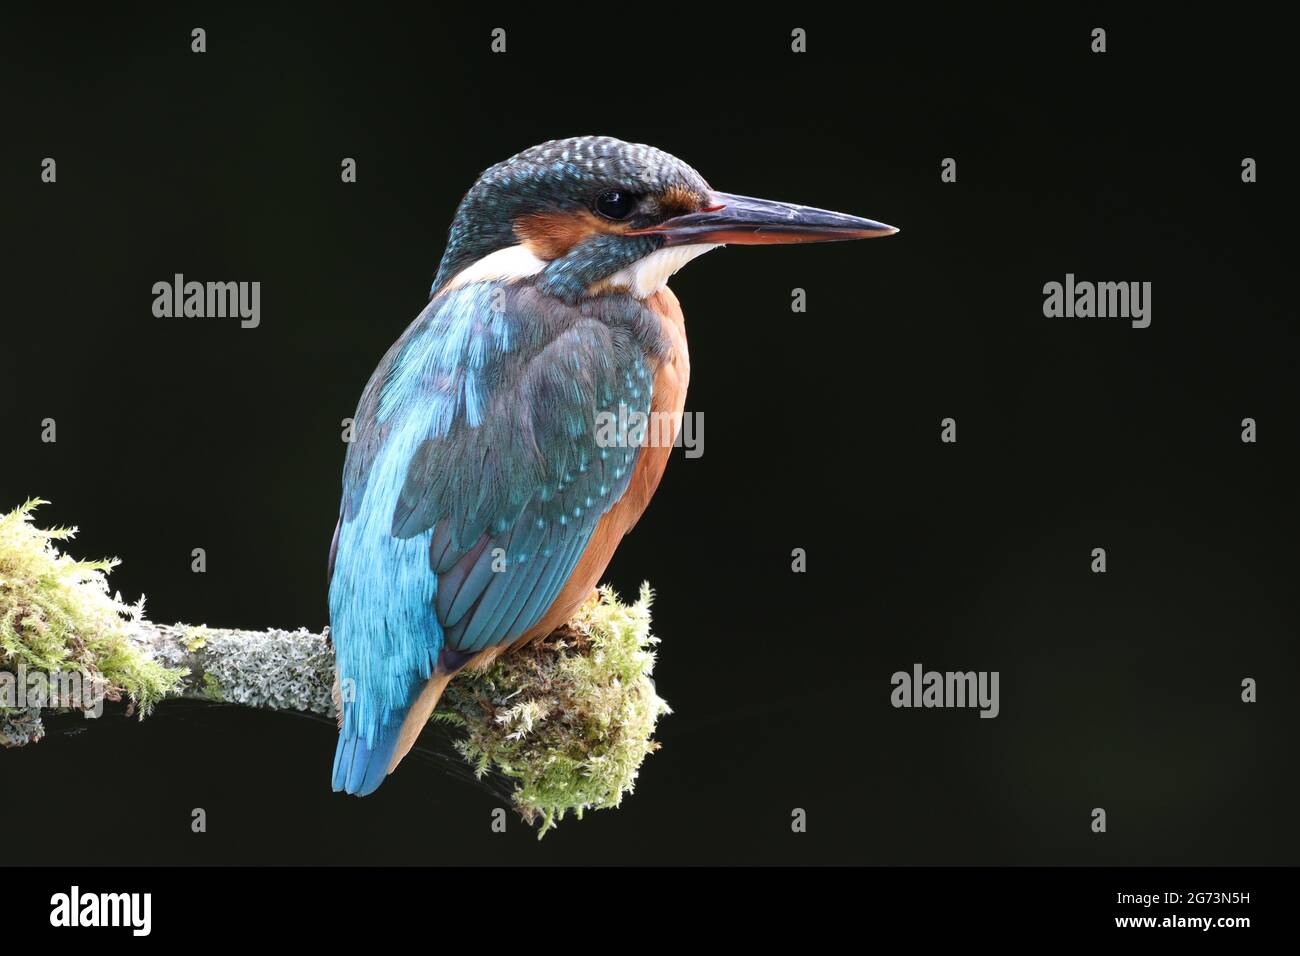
(567, 720)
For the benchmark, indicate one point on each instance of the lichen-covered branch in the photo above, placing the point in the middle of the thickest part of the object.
(275, 670)
(567, 719)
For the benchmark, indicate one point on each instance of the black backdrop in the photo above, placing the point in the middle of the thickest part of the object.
(822, 430)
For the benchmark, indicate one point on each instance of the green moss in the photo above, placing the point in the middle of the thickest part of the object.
(569, 718)
(56, 615)
(212, 688)
(195, 638)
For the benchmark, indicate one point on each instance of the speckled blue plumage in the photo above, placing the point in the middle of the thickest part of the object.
(476, 432)
(562, 171)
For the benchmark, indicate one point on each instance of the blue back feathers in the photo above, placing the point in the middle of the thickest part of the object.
(477, 432)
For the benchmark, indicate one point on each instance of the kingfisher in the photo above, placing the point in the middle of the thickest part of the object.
(482, 499)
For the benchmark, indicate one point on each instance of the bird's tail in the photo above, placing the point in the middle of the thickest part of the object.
(360, 768)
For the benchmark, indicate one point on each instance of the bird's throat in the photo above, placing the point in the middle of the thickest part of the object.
(651, 273)
(641, 278)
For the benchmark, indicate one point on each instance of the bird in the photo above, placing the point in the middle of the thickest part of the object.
(480, 506)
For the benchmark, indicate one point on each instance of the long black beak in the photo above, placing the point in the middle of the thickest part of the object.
(743, 220)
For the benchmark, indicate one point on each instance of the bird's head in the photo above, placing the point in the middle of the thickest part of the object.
(594, 214)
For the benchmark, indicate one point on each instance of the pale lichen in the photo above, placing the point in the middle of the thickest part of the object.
(279, 670)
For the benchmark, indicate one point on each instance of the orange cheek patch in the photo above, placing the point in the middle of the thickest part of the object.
(679, 201)
(549, 235)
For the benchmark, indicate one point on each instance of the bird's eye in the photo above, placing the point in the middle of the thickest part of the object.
(615, 204)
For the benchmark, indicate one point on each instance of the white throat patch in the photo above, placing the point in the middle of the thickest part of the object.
(504, 265)
(642, 278)
(649, 274)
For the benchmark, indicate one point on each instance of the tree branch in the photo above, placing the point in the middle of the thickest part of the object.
(567, 719)
(273, 670)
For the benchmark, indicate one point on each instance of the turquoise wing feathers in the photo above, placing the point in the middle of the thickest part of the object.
(472, 487)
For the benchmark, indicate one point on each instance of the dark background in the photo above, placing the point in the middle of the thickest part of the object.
(822, 430)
